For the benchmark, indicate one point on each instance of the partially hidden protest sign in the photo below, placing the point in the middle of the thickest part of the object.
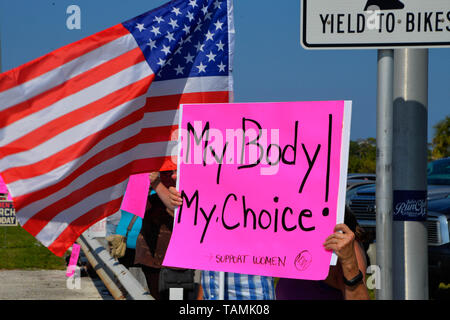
(263, 185)
(135, 198)
(73, 260)
(4, 189)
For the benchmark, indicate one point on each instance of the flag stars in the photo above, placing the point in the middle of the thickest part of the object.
(201, 68)
(186, 41)
(211, 56)
(209, 36)
(158, 19)
(218, 25)
(176, 11)
(198, 27)
(152, 44)
(220, 46)
(208, 16)
(173, 23)
(189, 58)
(178, 51)
(155, 30)
(161, 62)
(170, 37)
(221, 67)
(179, 69)
(190, 16)
(199, 46)
(166, 50)
(186, 29)
(140, 26)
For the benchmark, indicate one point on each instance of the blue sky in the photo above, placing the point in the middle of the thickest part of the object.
(269, 64)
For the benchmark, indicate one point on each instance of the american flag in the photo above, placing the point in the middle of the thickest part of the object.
(77, 122)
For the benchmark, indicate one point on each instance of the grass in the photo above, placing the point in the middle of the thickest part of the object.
(20, 250)
(372, 294)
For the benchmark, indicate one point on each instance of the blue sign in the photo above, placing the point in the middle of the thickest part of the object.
(410, 205)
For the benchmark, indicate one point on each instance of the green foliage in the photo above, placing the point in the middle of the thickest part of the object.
(362, 156)
(441, 139)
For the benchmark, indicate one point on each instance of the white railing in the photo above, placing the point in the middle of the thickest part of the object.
(118, 280)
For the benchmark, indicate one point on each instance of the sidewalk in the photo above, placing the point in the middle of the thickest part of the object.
(48, 285)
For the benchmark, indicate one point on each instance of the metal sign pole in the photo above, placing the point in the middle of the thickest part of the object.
(410, 174)
(384, 172)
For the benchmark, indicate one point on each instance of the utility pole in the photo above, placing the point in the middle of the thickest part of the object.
(410, 247)
(383, 203)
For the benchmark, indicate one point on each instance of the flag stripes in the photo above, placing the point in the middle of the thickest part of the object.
(68, 56)
(56, 166)
(50, 155)
(100, 93)
(69, 87)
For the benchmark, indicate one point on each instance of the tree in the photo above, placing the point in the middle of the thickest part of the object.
(362, 156)
(441, 139)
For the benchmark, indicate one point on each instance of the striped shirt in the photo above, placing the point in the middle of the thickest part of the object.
(238, 286)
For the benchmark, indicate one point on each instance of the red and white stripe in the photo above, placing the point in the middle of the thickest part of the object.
(76, 123)
(164, 99)
(70, 126)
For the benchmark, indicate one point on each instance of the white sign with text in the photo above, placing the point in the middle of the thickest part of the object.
(377, 24)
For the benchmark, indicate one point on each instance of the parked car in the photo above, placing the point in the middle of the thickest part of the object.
(439, 206)
(356, 180)
(362, 202)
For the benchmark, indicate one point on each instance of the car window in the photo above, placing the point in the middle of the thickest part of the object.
(351, 191)
(439, 172)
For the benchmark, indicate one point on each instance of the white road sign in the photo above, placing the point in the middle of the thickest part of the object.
(378, 24)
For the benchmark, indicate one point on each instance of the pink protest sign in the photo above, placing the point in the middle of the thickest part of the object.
(73, 260)
(135, 198)
(263, 185)
(4, 189)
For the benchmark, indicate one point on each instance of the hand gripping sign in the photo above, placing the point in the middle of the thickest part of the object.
(263, 185)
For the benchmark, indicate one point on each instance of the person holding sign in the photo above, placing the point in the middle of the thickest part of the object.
(237, 286)
(154, 238)
(262, 188)
(346, 280)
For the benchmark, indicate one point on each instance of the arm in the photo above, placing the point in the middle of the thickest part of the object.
(351, 260)
(161, 190)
